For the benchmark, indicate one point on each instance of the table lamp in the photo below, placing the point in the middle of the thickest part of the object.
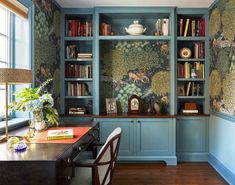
(13, 76)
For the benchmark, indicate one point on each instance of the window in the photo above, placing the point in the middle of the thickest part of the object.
(4, 51)
(14, 49)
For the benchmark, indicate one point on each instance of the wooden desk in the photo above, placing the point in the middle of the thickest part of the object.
(43, 163)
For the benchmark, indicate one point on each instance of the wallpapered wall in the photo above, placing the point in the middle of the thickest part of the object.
(222, 57)
(47, 46)
(135, 67)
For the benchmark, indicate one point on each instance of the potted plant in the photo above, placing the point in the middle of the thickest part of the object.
(40, 103)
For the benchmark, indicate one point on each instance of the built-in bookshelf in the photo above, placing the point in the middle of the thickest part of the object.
(192, 59)
(158, 24)
(77, 62)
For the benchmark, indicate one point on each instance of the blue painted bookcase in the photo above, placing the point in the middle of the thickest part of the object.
(113, 61)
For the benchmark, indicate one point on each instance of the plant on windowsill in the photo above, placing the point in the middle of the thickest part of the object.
(40, 103)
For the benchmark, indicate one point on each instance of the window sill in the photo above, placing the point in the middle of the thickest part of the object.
(13, 124)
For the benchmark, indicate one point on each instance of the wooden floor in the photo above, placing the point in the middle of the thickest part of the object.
(160, 174)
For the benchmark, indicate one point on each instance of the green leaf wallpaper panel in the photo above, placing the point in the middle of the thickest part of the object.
(135, 67)
(222, 57)
(47, 46)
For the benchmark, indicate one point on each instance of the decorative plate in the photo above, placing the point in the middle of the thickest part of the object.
(185, 53)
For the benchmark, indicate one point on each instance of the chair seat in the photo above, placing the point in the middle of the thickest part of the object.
(83, 175)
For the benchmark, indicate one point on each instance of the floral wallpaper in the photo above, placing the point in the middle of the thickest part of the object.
(222, 57)
(47, 46)
(135, 67)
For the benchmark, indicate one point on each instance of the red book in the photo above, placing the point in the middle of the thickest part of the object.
(73, 28)
(182, 71)
(75, 89)
(202, 25)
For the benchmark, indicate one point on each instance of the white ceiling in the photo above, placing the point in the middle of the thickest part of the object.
(93, 3)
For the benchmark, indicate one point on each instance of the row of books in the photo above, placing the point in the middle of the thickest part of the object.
(77, 89)
(162, 27)
(199, 50)
(78, 28)
(72, 52)
(78, 71)
(105, 29)
(191, 70)
(191, 27)
(194, 89)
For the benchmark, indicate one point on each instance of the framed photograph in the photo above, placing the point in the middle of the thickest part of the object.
(111, 106)
(180, 90)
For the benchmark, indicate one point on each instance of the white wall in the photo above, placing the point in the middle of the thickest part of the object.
(222, 141)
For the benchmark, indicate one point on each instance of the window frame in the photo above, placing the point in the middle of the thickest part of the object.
(17, 120)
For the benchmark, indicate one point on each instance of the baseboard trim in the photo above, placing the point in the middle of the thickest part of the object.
(222, 170)
(192, 157)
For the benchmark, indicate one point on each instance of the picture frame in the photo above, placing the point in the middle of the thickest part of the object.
(181, 90)
(111, 106)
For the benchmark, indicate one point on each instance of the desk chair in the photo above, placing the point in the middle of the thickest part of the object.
(100, 170)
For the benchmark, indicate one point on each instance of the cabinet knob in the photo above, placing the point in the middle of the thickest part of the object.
(132, 121)
(138, 121)
(68, 178)
(69, 160)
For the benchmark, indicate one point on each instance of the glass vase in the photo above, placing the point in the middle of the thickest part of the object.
(38, 121)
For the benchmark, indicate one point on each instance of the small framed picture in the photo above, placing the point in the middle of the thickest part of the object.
(180, 90)
(111, 106)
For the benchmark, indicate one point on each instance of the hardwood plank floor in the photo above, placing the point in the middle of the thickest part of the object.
(160, 174)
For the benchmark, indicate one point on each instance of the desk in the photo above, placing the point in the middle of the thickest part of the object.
(43, 163)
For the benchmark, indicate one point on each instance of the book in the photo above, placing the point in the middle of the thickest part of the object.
(188, 88)
(60, 134)
(193, 28)
(190, 111)
(181, 27)
(186, 28)
(84, 55)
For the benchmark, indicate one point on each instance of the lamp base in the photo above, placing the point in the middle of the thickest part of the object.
(3, 139)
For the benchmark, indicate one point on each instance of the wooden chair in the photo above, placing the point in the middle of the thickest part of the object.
(100, 170)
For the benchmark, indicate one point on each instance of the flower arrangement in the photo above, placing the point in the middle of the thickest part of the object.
(37, 100)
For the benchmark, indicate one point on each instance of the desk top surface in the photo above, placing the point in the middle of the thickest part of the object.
(37, 151)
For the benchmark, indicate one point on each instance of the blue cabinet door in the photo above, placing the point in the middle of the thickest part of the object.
(192, 138)
(127, 137)
(156, 139)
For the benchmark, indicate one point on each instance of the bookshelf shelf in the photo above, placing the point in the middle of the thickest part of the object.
(191, 79)
(78, 97)
(78, 79)
(191, 59)
(191, 97)
(136, 37)
(78, 38)
(188, 38)
(79, 60)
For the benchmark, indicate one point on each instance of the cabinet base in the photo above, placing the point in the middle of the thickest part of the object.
(169, 160)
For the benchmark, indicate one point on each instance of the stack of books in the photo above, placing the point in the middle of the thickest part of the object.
(190, 108)
(78, 110)
(60, 134)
